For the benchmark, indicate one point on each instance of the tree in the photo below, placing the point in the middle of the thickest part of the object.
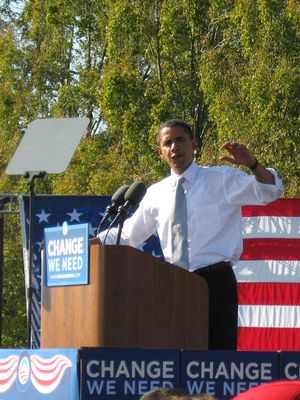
(230, 68)
(153, 51)
(250, 77)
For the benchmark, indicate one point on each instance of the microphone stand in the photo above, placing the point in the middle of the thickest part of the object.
(105, 217)
(119, 217)
(120, 231)
(122, 214)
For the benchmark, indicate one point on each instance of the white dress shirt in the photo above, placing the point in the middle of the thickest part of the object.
(214, 199)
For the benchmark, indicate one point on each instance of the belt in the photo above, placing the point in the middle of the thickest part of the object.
(213, 267)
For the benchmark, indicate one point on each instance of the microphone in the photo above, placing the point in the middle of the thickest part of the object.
(132, 197)
(116, 201)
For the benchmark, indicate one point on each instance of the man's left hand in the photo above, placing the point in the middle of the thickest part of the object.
(240, 155)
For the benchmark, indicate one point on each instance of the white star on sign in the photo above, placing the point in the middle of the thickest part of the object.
(74, 215)
(92, 230)
(43, 216)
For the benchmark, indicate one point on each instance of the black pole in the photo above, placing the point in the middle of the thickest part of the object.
(31, 178)
(120, 231)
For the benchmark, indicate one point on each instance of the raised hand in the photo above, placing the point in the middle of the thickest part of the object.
(239, 154)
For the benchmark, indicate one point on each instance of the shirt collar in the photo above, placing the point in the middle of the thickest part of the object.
(189, 174)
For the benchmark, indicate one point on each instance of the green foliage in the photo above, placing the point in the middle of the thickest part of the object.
(230, 68)
(251, 79)
(153, 51)
(13, 90)
(14, 309)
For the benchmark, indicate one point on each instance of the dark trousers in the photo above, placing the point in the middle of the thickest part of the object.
(223, 305)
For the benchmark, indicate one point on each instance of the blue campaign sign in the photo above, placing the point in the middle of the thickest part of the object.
(66, 255)
(289, 365)
(39, 374)
(123, 373)
(224, 374)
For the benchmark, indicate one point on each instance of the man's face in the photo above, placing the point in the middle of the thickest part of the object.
(176, 148)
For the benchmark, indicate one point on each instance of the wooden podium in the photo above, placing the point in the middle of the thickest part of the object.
(132, 300)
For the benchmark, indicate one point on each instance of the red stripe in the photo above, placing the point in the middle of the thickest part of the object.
(268, 339)
(271, 249)
(269, 293)
(281, 208)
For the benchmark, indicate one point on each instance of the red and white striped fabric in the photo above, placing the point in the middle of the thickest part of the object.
(268, 275)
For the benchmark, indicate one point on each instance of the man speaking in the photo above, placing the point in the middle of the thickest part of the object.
(196, 212)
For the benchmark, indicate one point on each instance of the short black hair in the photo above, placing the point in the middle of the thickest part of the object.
(163, 393)
(174, 122)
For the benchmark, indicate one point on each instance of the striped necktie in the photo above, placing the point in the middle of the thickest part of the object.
(179, 227)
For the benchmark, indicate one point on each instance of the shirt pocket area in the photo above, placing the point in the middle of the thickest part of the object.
(205, 219)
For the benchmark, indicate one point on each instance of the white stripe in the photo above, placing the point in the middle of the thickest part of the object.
(272, 316)
(271, 226)
(268, 271)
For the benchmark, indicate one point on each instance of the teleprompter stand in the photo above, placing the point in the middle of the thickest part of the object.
(31, 176)
(46, 148)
